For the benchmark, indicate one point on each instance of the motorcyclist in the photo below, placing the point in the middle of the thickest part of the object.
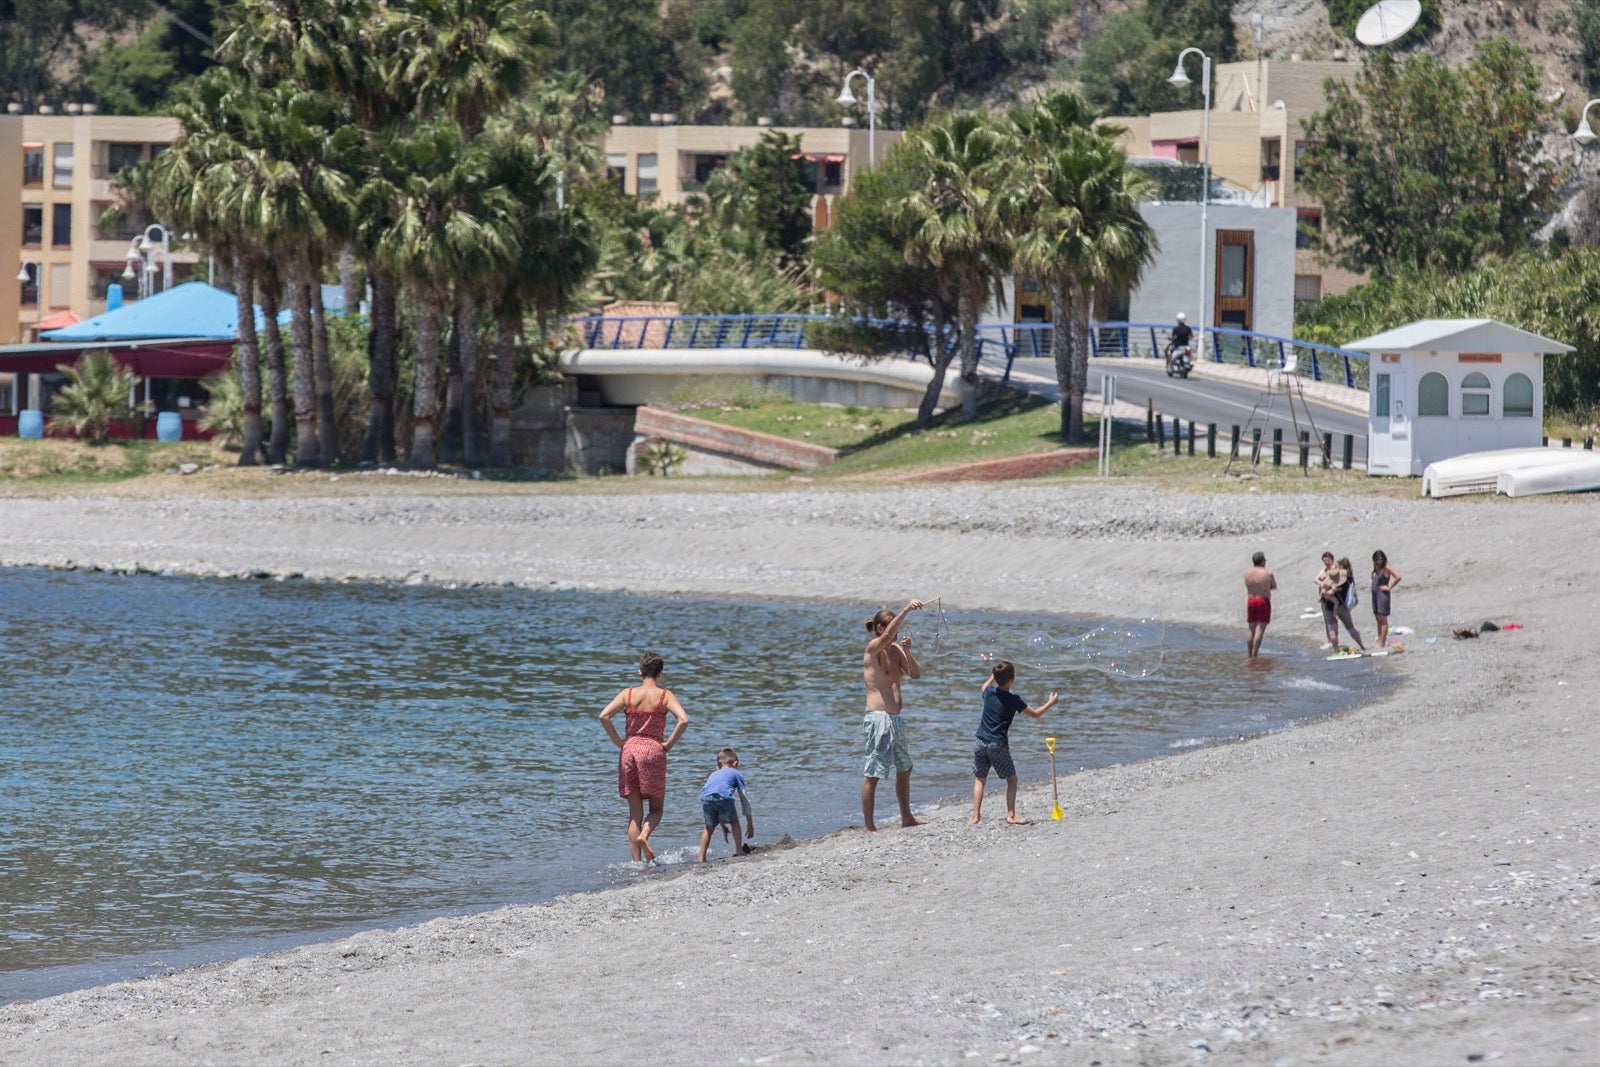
(1181, 337)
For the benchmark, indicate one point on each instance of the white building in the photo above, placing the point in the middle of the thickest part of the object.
(1446, 387)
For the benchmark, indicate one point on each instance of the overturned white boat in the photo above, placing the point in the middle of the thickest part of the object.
(1580, 473)
(1514, 472)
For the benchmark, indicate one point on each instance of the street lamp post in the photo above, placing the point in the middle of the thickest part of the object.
(847, 97)
(141, 259)
(1585, 134)
(1181, 79)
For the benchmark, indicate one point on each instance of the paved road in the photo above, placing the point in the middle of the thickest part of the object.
(1225, 403)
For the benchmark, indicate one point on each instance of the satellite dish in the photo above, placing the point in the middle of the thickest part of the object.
(1387, 20)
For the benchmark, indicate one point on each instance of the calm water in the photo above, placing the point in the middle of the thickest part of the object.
(196, 770)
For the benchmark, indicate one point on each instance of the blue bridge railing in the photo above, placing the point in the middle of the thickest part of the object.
(999, 344)
(1322, 363)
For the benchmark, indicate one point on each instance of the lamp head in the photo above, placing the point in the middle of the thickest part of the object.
(845, 95)
(1180, 78)
(127, 272)
(1584, 134)
(22, 275)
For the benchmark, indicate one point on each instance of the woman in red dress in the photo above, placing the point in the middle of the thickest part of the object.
(642, 764)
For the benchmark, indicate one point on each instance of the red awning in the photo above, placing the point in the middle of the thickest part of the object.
(821, 157)
(56, 321)
(159, 359)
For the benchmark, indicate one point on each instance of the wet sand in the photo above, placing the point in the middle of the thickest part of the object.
(1414, 882)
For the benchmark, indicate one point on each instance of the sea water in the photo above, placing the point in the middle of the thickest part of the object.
(195, 770)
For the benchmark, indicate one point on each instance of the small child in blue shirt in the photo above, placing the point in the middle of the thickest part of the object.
(1000, 706)
(716, 802)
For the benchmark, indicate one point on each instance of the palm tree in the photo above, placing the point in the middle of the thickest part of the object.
(98, 390)
(954, 221)
(193, 185)
(1075, 208)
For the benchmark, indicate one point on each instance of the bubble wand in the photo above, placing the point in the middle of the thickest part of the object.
(1055, 795)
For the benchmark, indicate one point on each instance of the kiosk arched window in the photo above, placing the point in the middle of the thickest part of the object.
(1433, 396)
(1517, 398)
(1475, 394)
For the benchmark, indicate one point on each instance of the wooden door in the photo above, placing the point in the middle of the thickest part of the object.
(1235, 279)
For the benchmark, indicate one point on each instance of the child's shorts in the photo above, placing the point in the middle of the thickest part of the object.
(996, 755)
(718, 810)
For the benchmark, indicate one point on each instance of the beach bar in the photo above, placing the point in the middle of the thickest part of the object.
(1446, 387)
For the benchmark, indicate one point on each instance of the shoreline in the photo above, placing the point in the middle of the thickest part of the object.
(1335, 890)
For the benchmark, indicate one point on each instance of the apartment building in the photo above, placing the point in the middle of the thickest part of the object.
(1256, 139)
(72, 239)
(672, 162)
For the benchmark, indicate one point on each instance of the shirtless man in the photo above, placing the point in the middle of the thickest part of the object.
(1258, 586)
(883, 663)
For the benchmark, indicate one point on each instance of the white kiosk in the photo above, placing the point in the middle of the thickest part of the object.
(1439, 388)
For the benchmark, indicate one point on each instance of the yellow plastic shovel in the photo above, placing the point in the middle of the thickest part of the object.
(1055, 797)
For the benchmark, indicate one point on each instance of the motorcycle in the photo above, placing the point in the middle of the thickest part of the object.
(1180, 361)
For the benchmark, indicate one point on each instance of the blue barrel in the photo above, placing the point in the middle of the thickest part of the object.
(30, 424)
(169, 426)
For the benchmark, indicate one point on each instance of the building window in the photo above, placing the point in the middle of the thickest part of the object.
(1235, 270)
(1308, 230)
(617, 169)
(60, 225)
(60, 285)
(61, 167)
(1380, 396)
(647, 173)
(1307, 288)
(119, 157)
(32, 225)
(1475, 394)
(33, 164)
(1299, 161)
(30, 285)
(1433, 396)
(1518, 397)
(832, 176)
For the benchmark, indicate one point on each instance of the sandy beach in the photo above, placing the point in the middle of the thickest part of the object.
(1415, 882)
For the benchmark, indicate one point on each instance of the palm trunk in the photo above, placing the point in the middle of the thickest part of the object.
(500, 394)
(327, 428)
(968, 303)
(467, 326)
(351, 281)
(425, 401)
(277, 385)
(1077, 331)
(378, 447)
(451, 444)
(249, 362)
(305, 391)
(1061, 351)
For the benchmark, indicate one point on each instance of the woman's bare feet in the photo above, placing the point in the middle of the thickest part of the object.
(1017, 820)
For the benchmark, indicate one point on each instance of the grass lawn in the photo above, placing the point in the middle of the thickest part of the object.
(68, 461)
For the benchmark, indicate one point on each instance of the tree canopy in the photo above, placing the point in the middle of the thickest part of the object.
(1419, 163)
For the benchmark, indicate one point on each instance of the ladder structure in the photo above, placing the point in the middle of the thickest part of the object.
(1284, 386)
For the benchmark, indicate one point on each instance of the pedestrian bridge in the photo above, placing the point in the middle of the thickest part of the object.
(625, 356)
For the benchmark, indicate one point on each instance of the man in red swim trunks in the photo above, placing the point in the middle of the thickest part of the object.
(1258, 586)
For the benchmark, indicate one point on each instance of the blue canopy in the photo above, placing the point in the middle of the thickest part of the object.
(193, 309)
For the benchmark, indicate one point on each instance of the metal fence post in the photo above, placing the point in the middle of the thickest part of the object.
(1211, 440)
(1349, 451)
(1305, 450)
(1191, 437)
(1177, 436)
(1277, 446)
(1233, 446)
(1150, 420)
(1255, 445)
(1161, 433)
(1327, 450)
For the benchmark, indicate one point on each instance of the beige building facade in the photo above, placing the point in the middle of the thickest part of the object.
(57, 174)
(1257, 136)
(674, 162)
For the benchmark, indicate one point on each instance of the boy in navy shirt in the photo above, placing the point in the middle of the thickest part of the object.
(716, 803)
(1000, 706)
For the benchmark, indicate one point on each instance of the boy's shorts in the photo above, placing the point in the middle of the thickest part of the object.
(884, 747)
(718, 810)
(996, 754)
